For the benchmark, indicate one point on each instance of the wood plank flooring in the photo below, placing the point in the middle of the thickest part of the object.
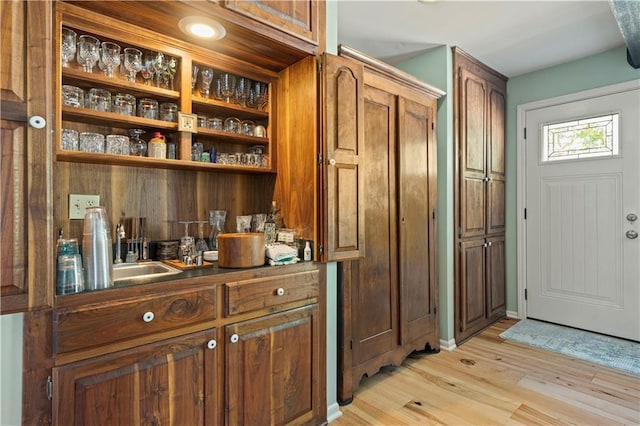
(491, 381)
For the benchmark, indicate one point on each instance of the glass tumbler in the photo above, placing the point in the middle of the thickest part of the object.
(123, 103)
(70, 139)
(72, 96)
(99, 99)
(148, 108)
(169, 112)
(68, 46)
(117, 144)
(91, 142)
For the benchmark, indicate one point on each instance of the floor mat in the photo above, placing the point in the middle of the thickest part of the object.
(596, 348)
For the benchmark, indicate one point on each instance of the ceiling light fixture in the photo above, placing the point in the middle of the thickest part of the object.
(200, 26)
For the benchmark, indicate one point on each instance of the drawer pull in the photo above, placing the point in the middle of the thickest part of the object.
(148, 316)
(234, 338)
(280, 291)
(211, 344)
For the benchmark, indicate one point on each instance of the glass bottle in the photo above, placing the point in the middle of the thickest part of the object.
(216, 220)
(271, 224)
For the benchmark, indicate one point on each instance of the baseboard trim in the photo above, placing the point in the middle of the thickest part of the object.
(448, 345)
(513, 314)
(333, 412)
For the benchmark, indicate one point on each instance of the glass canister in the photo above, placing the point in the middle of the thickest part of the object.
(91, 142)
(99, 99)
(70, 139)
(169, 112)
(232, 125)
(215, 123)
(72, 96)
(117, 144)
(148, 108)
(124, 104)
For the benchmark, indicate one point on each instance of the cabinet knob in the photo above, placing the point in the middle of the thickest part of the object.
(332, 162)
(148, 316)
(490, 243)
(485, 245)
(487, 179)
(211, 344)
(37, 122)
(234, 338)
(280, 291)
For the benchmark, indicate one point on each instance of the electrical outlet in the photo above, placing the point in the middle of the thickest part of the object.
(79, 202)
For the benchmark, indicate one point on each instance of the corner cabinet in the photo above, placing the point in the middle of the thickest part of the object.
(26, 168)
(479, 109)
(389, 297)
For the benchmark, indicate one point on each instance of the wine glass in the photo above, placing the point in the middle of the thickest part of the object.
(260, 93)
(201, 244)
(206, 76)
(161, 65)
(110, 57)
(194, 75)
(172, 68)
(227, 85)
(243, 85)
(68, 48)
(132, 62)
(88, 52)
(148, 67)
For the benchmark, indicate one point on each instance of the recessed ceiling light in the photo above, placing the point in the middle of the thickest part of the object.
(200, 26)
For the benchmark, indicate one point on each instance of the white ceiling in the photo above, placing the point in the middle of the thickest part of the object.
(513, 37)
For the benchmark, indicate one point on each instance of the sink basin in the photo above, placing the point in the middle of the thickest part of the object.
(140, 271)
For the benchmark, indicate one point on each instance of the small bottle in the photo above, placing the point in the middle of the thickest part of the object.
(270, 226)
(307, 251)
(157, 146)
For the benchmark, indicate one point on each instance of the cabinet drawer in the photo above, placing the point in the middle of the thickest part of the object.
(251, 295)
(93, 326)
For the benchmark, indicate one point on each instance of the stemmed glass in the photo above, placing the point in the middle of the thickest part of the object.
(194, 76)
(260, 93)
(68, 48)
(110, 57)
(88, 52)
(206, 76)
(148, 67)
(132, 62)
(172, 68)
(243, 86)
(137, 146)
(201, 244)
(161, 65)
(227, 85)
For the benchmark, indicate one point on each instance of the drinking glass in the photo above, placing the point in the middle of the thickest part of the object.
(110, 57)
(260, 92)
(98, 99)
(88, 52)
(68, 48)
(172, 68)
(206, 76)
(227, 85)
(148, 108)
(132, 62)
(137, 147)
(243, 86)
(148, 67)
(194, 75)
(161, 65)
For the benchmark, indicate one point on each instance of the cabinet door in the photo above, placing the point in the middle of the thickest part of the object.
(496, 162)
(472, 292)
(343, 224)
(416, 182)
(374, 293)
(25, 176)
(496, 296)
(272, 365)
(172, 382)
(299, 18)
(472, 152)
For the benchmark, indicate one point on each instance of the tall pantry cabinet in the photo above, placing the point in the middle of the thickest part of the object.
(479, 109)
(389, 297)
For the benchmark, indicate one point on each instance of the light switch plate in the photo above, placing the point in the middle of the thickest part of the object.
(79, 202)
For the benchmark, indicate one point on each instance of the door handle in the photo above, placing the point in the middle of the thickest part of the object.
(632, 235)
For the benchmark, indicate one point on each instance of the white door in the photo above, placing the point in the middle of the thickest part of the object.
(582, 197)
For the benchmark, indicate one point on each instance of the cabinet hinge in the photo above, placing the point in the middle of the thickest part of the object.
(435, 311)
(433, 215)
(351, 344)
(320, 158)
(525, 214)
(525, 133)
(49, 388)
(459, 232)
(525, 294)
(321, 249)
(319, 62)
(433, 126)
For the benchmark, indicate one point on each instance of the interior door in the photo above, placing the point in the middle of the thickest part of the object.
(582, 250)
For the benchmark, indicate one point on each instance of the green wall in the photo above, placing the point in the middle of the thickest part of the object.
(435, 67)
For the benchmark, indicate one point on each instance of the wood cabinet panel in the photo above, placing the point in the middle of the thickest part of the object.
(26, 184)
(170, 382)
(251, 295)
(270, 365)
(472, 207)
(496, 273)
(473, 125)
(417, 218)
(472, 279)
(495, 206)
(132, 319)
(344, 150)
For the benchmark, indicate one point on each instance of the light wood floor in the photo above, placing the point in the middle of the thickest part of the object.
(491, 381)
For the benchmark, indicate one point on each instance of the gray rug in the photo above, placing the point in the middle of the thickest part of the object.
(596, 348)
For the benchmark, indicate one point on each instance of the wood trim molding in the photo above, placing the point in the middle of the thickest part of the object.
(390, 71)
